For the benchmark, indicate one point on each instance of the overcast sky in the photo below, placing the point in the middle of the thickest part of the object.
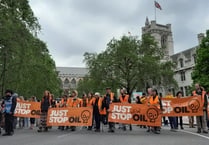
(72, 27)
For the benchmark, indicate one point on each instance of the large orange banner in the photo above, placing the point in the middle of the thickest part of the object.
(70, 116)
(134, 114)
(27, 109)
(188, 106)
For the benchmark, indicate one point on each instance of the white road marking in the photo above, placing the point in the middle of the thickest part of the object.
(64, 135)
(206, 137)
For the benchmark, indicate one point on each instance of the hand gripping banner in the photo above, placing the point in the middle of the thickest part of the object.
(27, 109)
(188, 106)
(70, 116)
(134, 114)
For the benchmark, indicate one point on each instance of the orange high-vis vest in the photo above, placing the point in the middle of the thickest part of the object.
(74, 103)
(111, 96)
(102, 111)
(154, 102)
(91, 102)
(87, 102)
(202, 97)
(125, 99)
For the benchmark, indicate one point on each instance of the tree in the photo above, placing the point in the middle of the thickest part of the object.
(201, 70)
(129, 63)
(27, 65)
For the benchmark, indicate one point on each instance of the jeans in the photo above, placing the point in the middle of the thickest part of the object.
(9, 120)
(173, 123)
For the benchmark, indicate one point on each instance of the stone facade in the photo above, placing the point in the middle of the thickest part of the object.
(70, 76)
(184, 60)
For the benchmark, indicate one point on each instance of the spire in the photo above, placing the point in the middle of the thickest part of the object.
(147, 21)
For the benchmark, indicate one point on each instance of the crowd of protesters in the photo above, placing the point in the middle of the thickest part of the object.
(100, 104)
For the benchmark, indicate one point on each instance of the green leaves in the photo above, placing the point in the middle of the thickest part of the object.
(128, 63)
(29, 68)
(201, 70)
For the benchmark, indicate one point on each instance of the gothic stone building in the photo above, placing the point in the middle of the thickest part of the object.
(184, 60)
(70, 76)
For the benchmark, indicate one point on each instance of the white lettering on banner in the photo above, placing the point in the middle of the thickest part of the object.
(23, 105)
(58, 119)
(121, 112)
(122, 109)
(167, 106)
(21, 111)
(60, 113)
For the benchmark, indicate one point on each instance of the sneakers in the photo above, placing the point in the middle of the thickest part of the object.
(199, 131)
(204, 131)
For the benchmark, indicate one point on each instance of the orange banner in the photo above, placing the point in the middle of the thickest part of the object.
(70, 116)
(188, 106)
(28, 109)
(208, 110)
(134, 114)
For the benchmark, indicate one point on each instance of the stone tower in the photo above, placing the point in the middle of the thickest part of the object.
(162, 34)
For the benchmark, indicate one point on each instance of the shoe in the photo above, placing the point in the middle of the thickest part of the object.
(130, 128)
(199, 131)
(182, 128)
(97, 130)
(7, 134)
(46, 129)
(204, 131)
(124, 128)
(148, 130)
(157, 132)
(40, 130)
(111, 131)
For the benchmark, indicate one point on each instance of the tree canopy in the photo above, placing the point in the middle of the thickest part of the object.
(128, 63)
(26, 65)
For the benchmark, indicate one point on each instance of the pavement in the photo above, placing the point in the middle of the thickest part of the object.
(81, 136)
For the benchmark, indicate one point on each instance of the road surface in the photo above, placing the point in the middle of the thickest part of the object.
(83, 137)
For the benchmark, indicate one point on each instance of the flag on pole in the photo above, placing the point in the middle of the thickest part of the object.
(129, 33)
(157, 5)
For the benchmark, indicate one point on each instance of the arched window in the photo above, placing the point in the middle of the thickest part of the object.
(66, 84)
(181, 61)
(163, 41)
(73, 83)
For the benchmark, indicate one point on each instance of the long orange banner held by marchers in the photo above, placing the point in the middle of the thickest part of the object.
(27, 109)
(134, 114)
(70, 116)
(188, 106)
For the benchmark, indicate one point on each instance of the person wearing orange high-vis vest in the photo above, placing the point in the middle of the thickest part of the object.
(201, 120)
(124, 98)
(74, 101)
(155, 100)
(108, 99)
(84, 101)
(63, 104)
(91, 100)
(97, 107)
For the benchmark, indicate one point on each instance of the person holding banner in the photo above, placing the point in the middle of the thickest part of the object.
(74, 101)
(108, 99)
(179, 95)
(63, 104)
(149, 91)
(32, 120)
(201, 120)
(9, 108)
(155, 101)
(84, 100)
(90, 103)
(45, 105)
(97, 107)
(124, 98)
(172, 120)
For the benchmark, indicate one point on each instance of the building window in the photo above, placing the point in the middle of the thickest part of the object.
(163, 41)
(182, 90)
(183, 77)
(66, 84)
(181, 62)
(73, 83)
(195, 58)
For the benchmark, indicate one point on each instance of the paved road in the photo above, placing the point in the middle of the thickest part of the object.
(83, 137)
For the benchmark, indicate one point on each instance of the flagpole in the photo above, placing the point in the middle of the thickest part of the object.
(155, 12)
